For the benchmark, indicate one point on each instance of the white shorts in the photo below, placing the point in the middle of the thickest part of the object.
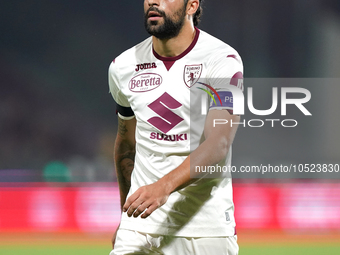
(133, 242)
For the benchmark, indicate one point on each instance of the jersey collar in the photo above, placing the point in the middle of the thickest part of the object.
(169, 61)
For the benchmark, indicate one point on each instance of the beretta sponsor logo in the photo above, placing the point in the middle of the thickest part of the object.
(145, 82)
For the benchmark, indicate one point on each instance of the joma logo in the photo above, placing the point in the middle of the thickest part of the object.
(145, 66)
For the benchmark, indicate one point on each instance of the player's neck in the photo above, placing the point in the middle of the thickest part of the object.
(175, 46)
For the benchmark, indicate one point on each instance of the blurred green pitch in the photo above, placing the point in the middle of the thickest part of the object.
(250, 244)
(100, 249)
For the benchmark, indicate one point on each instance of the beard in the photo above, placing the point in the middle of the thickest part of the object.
(170, 27)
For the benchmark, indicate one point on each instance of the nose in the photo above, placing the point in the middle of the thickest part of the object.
(153, 2)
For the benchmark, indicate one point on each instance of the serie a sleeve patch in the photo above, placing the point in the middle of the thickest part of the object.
(221, 100)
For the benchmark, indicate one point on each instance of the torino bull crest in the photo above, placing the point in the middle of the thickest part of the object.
(191, 74)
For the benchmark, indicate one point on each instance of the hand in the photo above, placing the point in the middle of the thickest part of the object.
(146, 199)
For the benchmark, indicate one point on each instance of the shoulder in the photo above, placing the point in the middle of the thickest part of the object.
(222, 61)
(131, 55)
(217, 49)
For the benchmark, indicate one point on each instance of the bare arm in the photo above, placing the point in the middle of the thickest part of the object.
(216, 146)
(124, 154)
(210, 152)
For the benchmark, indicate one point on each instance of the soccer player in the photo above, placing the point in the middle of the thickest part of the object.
(167, 206)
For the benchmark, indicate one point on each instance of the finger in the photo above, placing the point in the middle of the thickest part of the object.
(141, 209)
(150, 210)
(130, 200)
(134, 206)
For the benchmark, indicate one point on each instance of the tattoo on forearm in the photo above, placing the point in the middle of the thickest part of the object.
(126, 165)
(124, 157)
(122, 127)
(124, 168)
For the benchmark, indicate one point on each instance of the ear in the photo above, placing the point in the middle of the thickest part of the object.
(192, 6)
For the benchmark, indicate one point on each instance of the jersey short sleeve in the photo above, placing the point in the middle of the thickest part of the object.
(123, 106)
(225, 75)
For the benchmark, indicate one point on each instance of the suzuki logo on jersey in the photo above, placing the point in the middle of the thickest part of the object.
(145, 66)
(191, 74)
(169, 138)
(167, 120)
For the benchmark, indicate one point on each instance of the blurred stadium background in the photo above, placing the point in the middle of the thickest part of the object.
(58, 190)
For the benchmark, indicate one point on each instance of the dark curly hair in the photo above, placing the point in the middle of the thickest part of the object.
(198, 14)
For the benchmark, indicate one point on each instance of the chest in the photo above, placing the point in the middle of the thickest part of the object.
(153, 88)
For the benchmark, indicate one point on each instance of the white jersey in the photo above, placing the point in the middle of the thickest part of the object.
(159, 92)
